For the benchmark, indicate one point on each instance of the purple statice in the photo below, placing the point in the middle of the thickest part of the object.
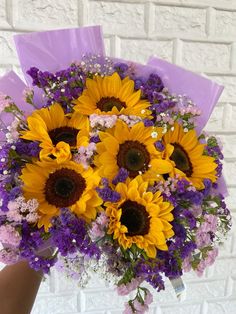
(148, 122)
(182, 185)
(207, 187)
(159, 146)
(95, 139)
(151, 271)
(4, 199)
(27, 148)
(194, 197)
(121, 68)
(152, 88)
(139, 82)
(121, 176)
(62, 86)
(108, 195)
(4, 157)
(30, 246)
(69, 234)
(14, 193)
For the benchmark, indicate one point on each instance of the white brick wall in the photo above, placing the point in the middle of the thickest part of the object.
(197, 34)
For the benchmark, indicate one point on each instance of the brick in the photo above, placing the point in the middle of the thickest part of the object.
(3, 14)
(44, 14)
(215, 122)
(219, 307)
(206, 56)
(56, 304)
(229, 82)
(141, 50)
(231, 199)
(225, 23)
(229, 145)
(102, 299)
(125, 19)
(218, 270)
(7, 51)
(180, 20)
(230, 172)
(194, 308)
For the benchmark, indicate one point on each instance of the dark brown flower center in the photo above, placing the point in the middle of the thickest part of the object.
(135, 217)
(64, 134)
(181, 159)
(107, 103)
(64, 187)
(134, 157)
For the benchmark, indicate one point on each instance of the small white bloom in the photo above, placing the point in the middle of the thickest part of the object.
(185, 130)
(154, 134)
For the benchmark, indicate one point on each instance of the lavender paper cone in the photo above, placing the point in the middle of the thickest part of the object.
(204, 92)
(57, 49)
(13, 86)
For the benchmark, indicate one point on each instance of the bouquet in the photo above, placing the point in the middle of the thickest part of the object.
(105, 161)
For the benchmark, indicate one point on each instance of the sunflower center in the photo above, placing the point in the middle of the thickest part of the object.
(134, 157)
(64, 187)
(64, 134)
(107, 103)
(181, 159)
(135, 217)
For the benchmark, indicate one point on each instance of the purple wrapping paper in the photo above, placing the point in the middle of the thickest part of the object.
(57, 49)
(12, 85)
(204, 92)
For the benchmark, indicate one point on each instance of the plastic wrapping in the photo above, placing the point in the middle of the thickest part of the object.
(11, 84)
(204, 92)
(56, 50)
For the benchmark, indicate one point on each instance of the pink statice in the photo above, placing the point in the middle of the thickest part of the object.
(139, 306)
(98, 226)
(203, 235)
(9, 236)
(208, 261)
(9, 256)
(131, 286)
(5, 101)
(20, 209)
(196, 210)
(84, 155)
(130, 120)
(210, 224)
(102, 121)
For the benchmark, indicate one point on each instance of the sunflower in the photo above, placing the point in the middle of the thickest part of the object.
(140, 217)
(113, 96)
(186, 154)
(130, 148)
(62, 185)
(56, 132)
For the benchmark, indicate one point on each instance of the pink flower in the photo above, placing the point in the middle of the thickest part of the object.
(9, 235)
(4, 102)
(128, 309)
(8, 256)
(126, 289)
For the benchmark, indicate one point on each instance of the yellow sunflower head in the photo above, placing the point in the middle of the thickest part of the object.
(140, 217)
(130, 148)
(55, 131)
(65, 185)
(185, 151)
(111, 95)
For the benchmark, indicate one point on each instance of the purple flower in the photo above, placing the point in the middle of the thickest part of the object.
(121, 176)
(69, 235)
(108, 195)
(27, 148)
